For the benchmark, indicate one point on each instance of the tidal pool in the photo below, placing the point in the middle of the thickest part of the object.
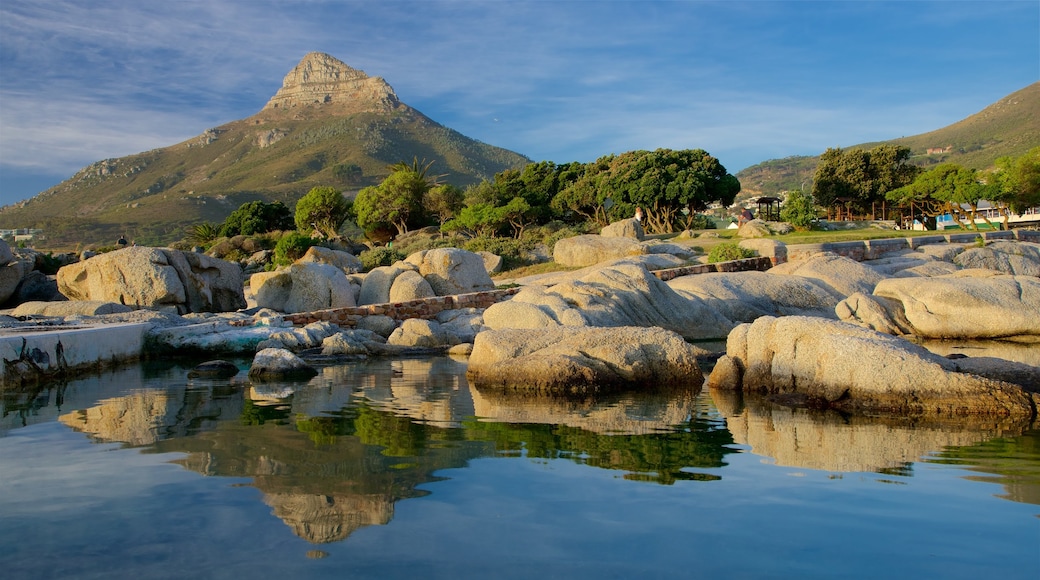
(399, 468)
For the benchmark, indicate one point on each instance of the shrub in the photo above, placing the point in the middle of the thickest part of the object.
(256, 217)
(798, 210)
(553, 232)
(323, 210)
(727, 252)
(292, 247)
(381, 256)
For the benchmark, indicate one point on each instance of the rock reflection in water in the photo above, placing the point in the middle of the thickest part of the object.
(1025, 352)
(627, 414)
(829, 441)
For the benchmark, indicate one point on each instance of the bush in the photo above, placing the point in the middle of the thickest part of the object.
(255, 217)
(798, 210)
(323, 210)
(727, 252)
(553, 232)
(292, 247)
(381, 256)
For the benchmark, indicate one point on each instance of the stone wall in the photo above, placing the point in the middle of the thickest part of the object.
(862, 250)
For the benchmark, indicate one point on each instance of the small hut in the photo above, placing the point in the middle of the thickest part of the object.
(768, 209)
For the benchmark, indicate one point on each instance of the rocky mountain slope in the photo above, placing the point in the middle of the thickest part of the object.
(328, 124)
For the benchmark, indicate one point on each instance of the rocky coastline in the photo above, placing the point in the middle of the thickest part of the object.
(834, 327)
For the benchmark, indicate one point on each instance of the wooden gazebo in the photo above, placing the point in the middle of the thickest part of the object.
(768, 209)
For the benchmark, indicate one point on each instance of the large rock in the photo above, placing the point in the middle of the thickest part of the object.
(375, 288)
(837, 365)
(352, 342)
(11, 275)
(627, 228)
(843, 275)
(582, 361)
(1018, 258)
(623, 295)
(591, 249)
(755, 228)
(875, 313)
(37, 286)
(745, 296)
(417, 332)
(345, 261)
(967, 304)
(271, 289)
(317, 286)
(68, 308)
(156, 278)
(453, 271)
(275, 364)
(410, 285)
(6, 255)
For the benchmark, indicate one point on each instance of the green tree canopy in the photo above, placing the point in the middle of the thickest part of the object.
(1018, 180)
(798, 210)
(663, 182)
(444, 201)
(397, 201)
(859, 178)
(946, 188)
(257, 217)
(322, 211)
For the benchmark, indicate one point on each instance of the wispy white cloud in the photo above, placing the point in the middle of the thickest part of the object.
(565, 80)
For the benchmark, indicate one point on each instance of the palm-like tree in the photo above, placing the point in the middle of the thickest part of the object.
(421, 168)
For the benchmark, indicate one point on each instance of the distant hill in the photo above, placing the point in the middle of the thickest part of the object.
(1011, 126)
(329, 124)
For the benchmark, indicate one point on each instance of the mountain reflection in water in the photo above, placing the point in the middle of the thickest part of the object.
(335, 454)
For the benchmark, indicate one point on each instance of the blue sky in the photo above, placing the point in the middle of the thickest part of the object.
(82, 81)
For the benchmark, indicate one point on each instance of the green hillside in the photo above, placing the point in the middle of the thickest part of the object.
(1009, 127)
(277, 154)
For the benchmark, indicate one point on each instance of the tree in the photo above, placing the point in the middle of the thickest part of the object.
(256, 217)
(1018, 181)
(662, 182)
(322, 211)
(798, 209)
(481, 219)
(859, 179)
(443, 201)
(396, 201)
(946, 188)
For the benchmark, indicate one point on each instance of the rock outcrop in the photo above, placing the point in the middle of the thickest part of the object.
(745, 296)
(451, 271)
(830, 364)
(1017, 258)
(627, 228)
(591, 249)
(623, 295)
(966, 304)
(279, 364)
(156, 278)
(305, 286)
(842, 275)
(582, 361)
(320, 79)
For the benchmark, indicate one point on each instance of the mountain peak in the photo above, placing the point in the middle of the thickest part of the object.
(320, 80)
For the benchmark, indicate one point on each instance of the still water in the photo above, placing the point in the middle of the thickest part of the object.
(398, 468)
